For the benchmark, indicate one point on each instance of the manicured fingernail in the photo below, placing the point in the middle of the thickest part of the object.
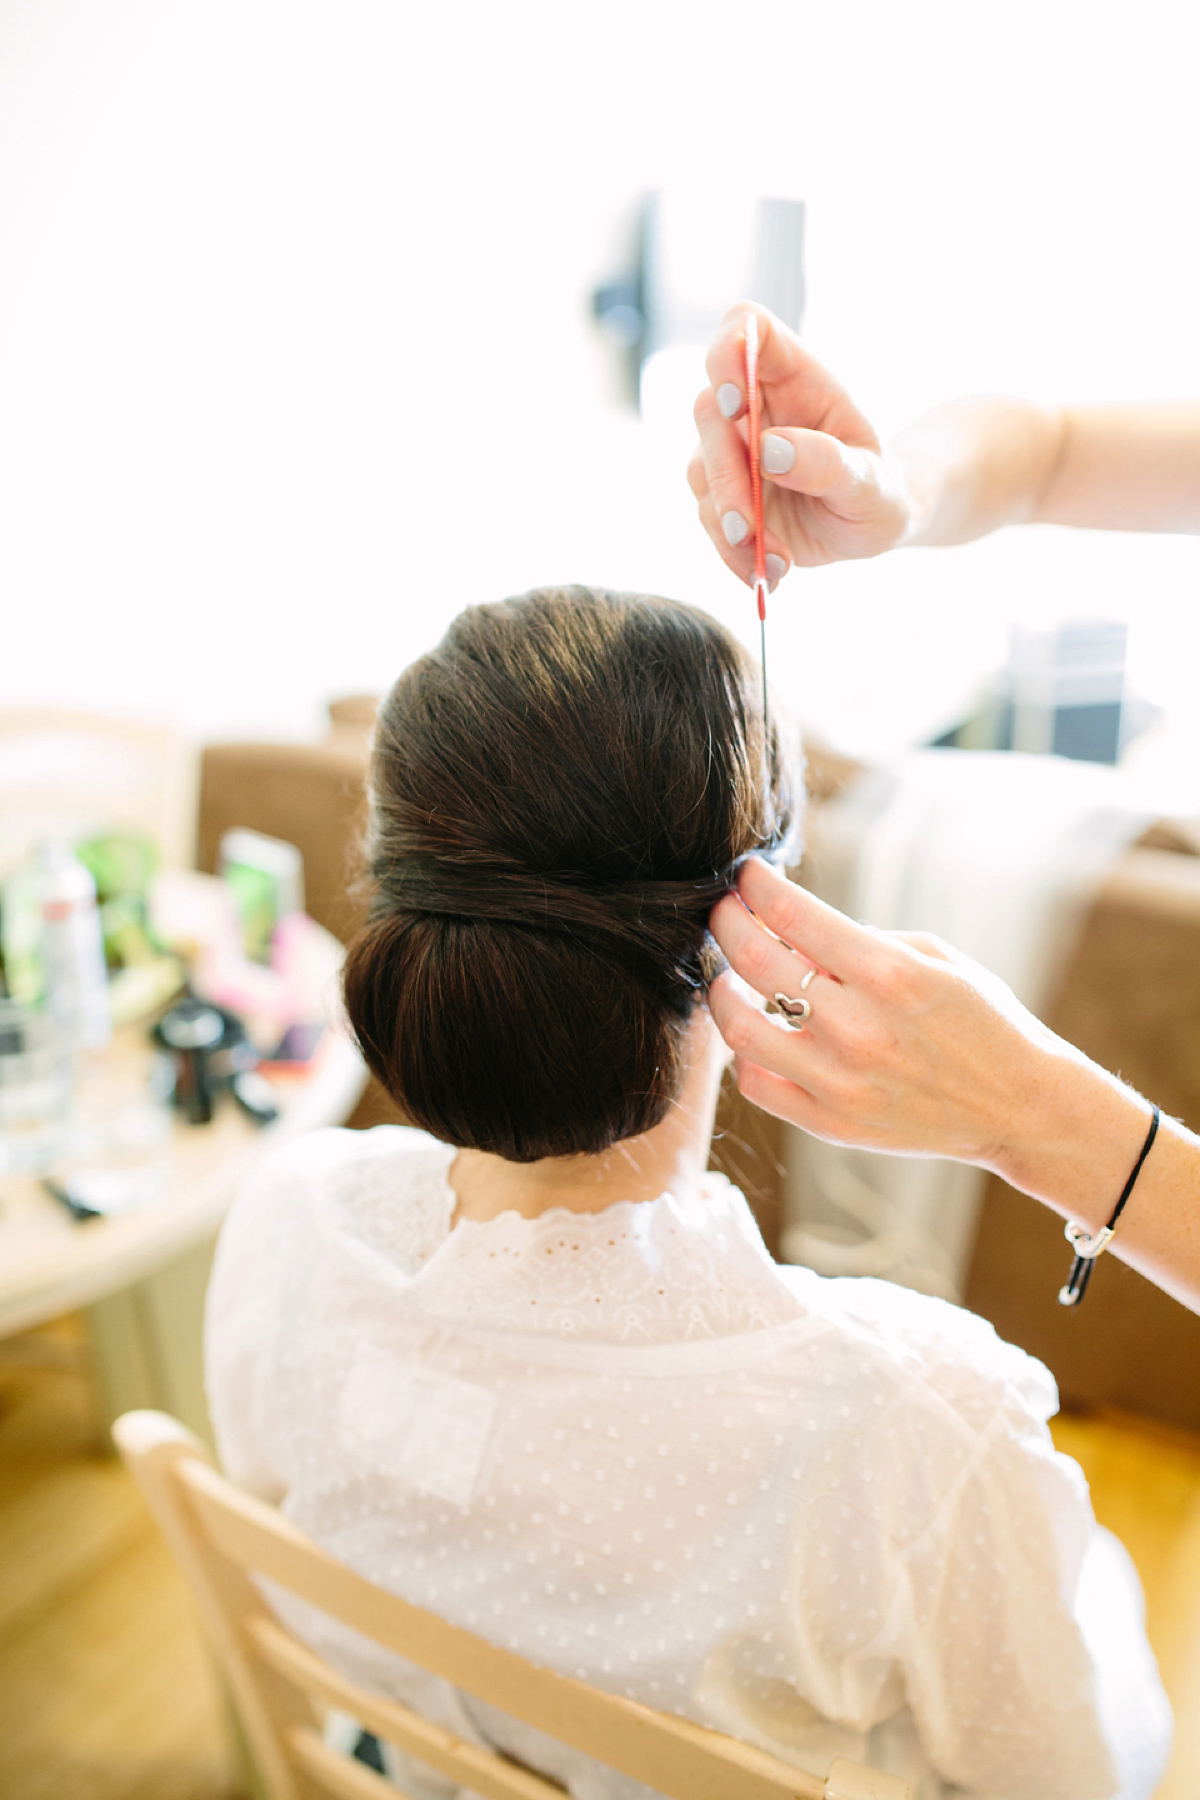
(729, 399)
(734, 527)
(776, 568)
(778, 454)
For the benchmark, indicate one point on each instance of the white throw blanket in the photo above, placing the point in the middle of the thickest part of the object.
(999, 854)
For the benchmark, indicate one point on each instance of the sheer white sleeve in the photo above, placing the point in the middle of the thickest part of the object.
(243, 1303)
(983, 1612)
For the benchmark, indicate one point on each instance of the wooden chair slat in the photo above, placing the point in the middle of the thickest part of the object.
(335, 1773)
(483, 1771)
(155, 1447)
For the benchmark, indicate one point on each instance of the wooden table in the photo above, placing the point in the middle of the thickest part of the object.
(141, 1276)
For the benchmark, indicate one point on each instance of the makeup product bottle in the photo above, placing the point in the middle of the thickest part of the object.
(72, 946)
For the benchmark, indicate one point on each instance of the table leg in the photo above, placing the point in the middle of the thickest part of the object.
(146, 1344)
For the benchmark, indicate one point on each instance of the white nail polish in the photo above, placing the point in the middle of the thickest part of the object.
(734, 527)
(729, 399)
(776, 568)
(777, 454)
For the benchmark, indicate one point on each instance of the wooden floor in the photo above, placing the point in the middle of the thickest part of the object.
(1145, 1481)
(105, 1693)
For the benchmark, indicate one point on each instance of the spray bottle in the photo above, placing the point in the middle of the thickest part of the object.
(72, 946)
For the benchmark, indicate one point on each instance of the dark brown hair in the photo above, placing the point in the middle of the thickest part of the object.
(560, 793)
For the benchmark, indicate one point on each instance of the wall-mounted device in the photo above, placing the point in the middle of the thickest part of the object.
(693, 255)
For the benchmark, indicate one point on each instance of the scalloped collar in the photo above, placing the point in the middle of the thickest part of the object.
(648, 1271)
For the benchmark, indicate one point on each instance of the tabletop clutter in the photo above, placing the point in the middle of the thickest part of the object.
(227, 975)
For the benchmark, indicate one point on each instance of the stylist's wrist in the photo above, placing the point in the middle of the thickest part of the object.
(974, 464)
(1073, 1135)
(920, 505)
(927, 471)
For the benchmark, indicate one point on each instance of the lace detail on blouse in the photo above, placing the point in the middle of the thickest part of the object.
(640, 1272)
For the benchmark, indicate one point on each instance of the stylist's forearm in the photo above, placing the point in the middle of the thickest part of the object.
(973, 465)
(1072, 1144)
(1127, 468)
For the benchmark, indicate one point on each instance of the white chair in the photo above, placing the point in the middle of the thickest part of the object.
(70, 774)
(281, 1690)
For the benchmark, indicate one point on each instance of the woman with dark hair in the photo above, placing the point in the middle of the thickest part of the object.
(529, 1365)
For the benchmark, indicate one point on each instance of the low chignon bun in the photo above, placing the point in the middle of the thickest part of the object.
(560, 793)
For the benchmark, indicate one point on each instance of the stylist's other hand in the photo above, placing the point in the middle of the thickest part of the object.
(830, 491)
(910, 1047)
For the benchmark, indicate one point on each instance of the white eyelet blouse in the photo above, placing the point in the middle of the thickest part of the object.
(825, 1516)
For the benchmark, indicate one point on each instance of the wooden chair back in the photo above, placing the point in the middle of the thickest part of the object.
(219, 1536)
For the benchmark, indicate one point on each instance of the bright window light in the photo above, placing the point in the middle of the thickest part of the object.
(296, 355)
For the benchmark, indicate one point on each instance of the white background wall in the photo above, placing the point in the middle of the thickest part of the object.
(295, 355)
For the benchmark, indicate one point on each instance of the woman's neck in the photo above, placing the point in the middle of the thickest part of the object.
(673, 1156)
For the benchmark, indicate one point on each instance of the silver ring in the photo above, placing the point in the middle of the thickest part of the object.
(807, 979)
(794, 1011)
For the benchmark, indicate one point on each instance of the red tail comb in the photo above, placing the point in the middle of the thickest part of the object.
(756, 493)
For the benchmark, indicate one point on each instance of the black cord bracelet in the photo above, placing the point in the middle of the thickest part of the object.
(1086, 1247)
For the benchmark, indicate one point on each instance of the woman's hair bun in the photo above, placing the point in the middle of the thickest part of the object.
(559, 794)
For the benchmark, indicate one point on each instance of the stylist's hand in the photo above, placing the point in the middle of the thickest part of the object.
(830, 491)
(915, 1049)
(910, 1046)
